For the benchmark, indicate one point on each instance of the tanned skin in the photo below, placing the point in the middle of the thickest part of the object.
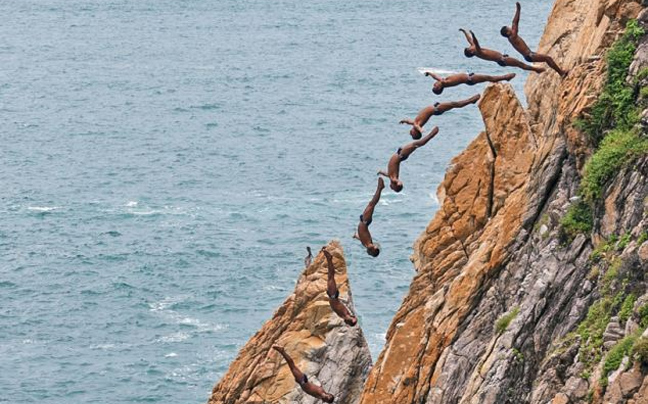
(334, 294)
(393, 167)
(362, 233)
(464, 78)
(493, 56)
(309, 258)
(437, 109)
(518, 43)
(308, 387)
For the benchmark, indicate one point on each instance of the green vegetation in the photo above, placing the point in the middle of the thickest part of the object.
(642, 238)
(591, 331)
(623, 242)
(614, 301)
(626, 308)
(615, 106)
(518, 355)
(503, 322)
(610, 276)
(618, 148)
(578, 219)
(616, 354)
(640, 350)
(614, 243)
(615, 111)
(643, 93)
(643, 316)
(643, 74)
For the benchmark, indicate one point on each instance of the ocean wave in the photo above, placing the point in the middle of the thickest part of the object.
(422, 70)
(43, 209)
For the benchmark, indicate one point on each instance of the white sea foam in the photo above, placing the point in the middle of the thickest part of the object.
(131, 204)
(162, 307)
(171, 355)
(144, 212)
(422, 70)
(175, 337)
(43, 208)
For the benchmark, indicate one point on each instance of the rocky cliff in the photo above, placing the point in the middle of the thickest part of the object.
(499, 311)
(331, 353)
(530, 282)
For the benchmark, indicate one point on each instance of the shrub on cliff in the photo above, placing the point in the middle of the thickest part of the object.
(578, 219)
(503, 322)
(618, 148)
(615, 107)
(640, 350)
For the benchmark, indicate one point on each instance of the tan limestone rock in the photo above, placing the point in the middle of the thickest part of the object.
(331, 353)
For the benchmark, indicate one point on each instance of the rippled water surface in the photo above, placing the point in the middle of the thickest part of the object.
(164, 164)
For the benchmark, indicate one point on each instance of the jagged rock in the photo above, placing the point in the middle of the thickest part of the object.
(630, 327)
(624, 386)
(576, 388)
(561, 398)
(613, 331)
(643, 252)
(331, 353)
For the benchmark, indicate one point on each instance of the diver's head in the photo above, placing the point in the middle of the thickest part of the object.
(415, 133)
(469, 52)
(437, 88)
(373, 250)
(506, 32)
(397, 185)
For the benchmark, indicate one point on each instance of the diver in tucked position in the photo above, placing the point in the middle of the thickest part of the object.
(393, 167)
(488, 54)
(334, 294)
(308, 387)
(437, 109)
(309, 258)
(464, 78)
(518, 43)
(366, 218)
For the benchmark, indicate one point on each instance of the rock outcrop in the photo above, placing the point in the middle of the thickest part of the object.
(331, 353)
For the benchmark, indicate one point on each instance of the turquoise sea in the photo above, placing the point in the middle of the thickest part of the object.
(166, 162)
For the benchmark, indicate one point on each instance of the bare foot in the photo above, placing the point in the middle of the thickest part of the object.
(381, 183)
(278, 348)
(564, 74)
(509, 76)
(474, 98)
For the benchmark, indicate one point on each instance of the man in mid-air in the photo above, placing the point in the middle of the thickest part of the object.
(402, 154)
(518, 43)
(438, 108)
(334, 294)
(464, 78)
(493, 56)
(366, 218)
(308, 387)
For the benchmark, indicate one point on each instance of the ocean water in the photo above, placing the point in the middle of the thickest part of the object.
(165, 163)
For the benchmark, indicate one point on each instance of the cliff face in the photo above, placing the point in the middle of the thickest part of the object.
(498, 288)
(331, 353)
(507, 305)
